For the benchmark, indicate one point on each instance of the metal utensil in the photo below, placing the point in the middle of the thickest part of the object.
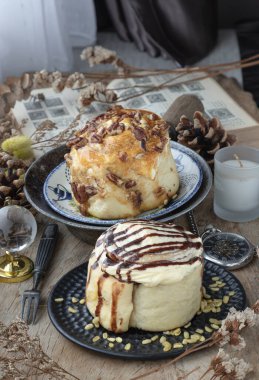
(192, 223)
(31, 298)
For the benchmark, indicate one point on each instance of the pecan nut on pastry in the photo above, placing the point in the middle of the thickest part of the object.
(125, 156)
(146, 275)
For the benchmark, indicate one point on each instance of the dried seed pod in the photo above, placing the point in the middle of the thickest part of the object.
(12, 172)
(205, 136)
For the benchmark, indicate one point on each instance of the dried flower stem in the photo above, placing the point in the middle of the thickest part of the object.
(138, 72)
(188, 374)
(197, 347)
(231, 325)
(23, 357)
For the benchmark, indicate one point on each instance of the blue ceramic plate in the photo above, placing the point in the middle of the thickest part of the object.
(72, 326)
(57, 189)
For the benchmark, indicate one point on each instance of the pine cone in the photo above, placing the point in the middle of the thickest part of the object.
(12, 171)
(204, 136)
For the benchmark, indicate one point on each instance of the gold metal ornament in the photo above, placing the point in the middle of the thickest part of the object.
(15, 268)
(18, 229)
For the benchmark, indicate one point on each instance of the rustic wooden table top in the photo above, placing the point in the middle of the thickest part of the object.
(88, 365)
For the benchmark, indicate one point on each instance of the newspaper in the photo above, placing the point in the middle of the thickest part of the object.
(62, 108)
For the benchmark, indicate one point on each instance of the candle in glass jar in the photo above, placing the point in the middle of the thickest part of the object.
(236, 184)
(244, 163)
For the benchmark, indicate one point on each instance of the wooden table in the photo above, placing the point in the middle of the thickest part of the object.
(87, 365)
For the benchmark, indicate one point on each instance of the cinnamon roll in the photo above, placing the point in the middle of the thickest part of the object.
(121, 164)
(146, 275)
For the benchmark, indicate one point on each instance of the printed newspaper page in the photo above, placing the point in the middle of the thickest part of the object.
(62, 108)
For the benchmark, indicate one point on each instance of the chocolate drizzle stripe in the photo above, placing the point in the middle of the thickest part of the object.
(163, 263)
(115, 297)
(125, 235)
(172, 248)
(100, 298)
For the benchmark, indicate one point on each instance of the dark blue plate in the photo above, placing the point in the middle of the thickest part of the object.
(72, 326)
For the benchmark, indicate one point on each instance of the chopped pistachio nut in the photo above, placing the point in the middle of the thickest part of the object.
(232, 293)
(215, 327)
(74, 299)
(95, 321)
(199, 331)
(177, 345)
(186, 335)
(187, 325)
(176, 332)
(207, 296)
(167, 346)
(202, 339)
(127, 347)
(146, 341)
(105, 335)
(82, 301)
(215, 278)
(111, 345)
(215, 321)
(193, 339)
(96, 338)
(185, 341)
(218, 309)
(162, 339)
(111, 339)
(154, 338)
(208, 329)
(58, 300)
(118, 339)
(72, 310)
(214, 289)
(225, 299)
(195, 336)
(89, 326)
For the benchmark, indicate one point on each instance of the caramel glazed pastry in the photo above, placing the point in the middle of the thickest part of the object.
(146, 275)
(121, 164)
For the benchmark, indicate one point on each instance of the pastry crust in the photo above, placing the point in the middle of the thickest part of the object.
(121, 164)
(146, 275)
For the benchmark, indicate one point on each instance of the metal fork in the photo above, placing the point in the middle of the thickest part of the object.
(31, 298)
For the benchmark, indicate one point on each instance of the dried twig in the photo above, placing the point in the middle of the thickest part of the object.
(228, 333)
(22, 356)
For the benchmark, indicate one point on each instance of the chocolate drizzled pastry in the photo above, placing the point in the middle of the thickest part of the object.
(151, 271)
(124, 156)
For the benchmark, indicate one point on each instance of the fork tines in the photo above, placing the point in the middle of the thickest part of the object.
(30, 302)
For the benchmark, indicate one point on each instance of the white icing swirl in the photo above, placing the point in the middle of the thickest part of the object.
(148, 252)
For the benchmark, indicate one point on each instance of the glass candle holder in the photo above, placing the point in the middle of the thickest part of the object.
(236, 183)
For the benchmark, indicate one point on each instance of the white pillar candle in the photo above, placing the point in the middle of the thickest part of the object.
(241, 164)
(236, 187)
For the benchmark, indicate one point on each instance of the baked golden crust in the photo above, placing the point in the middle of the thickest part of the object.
(121, 164)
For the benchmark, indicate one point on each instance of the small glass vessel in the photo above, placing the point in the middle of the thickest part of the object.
(18, 229)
